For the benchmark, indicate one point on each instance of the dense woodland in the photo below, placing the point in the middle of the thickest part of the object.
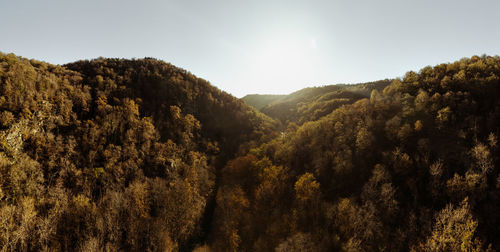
(139, 155)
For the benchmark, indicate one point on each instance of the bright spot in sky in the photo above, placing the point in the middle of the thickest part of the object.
(314, 45)
(279, 55)
(281, 60)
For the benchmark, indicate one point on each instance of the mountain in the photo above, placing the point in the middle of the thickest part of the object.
(140, 155)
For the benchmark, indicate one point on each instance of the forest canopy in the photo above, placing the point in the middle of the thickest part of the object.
(139, 155)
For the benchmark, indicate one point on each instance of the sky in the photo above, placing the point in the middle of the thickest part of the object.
(258, 46)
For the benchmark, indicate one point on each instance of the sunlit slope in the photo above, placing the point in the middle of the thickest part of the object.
(315, 102)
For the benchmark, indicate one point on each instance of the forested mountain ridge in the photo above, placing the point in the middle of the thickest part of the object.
(113, 154)
(139, 155)
(159, 85)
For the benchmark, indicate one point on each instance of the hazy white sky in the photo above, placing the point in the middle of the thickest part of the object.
(261, 46)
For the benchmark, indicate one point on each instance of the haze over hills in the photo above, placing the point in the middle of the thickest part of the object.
(140, 155)
(259, 101)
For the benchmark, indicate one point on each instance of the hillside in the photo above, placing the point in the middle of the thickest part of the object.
(115, 154)
(413, 167)
(139, 155)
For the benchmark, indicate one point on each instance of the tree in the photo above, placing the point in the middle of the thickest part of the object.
(454, 230)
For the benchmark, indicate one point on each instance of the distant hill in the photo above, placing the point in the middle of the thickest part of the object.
(259, 101)
(312, 103)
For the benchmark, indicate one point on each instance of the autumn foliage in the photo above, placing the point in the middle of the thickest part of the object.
(139, 155)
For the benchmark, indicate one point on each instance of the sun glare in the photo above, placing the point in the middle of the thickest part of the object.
(280, 60)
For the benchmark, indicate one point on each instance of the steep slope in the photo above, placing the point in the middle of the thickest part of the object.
(113, 154)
